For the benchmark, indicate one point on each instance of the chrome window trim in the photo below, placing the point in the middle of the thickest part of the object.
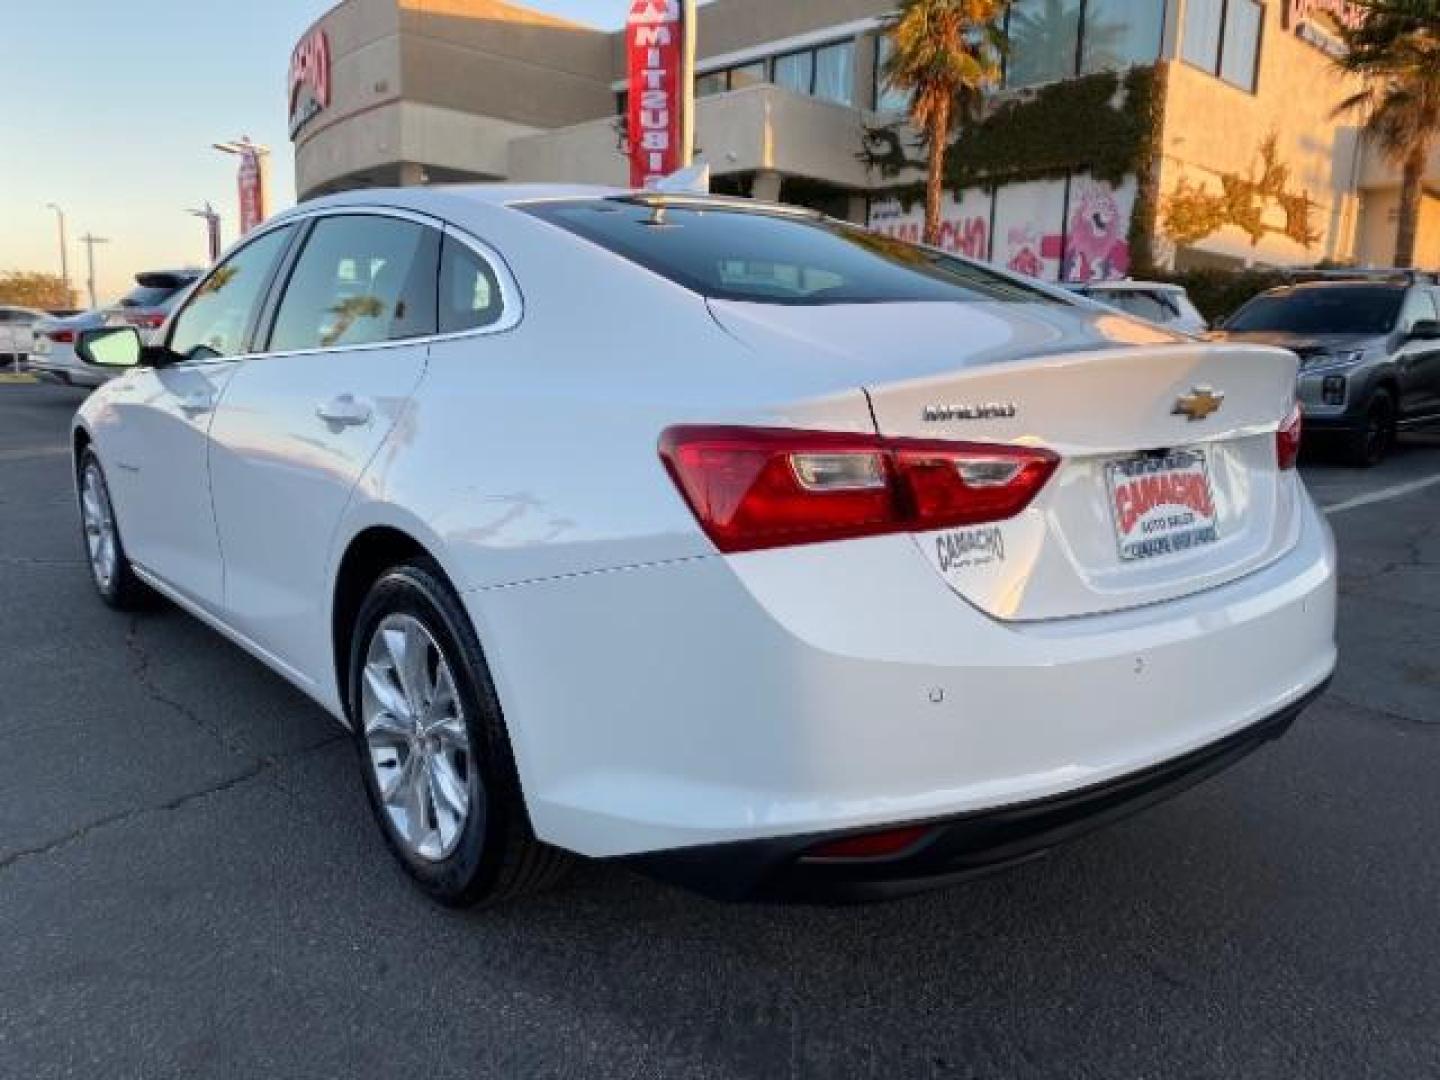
(512, 301)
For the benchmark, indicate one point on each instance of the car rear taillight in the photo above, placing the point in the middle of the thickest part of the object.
(754, 488)
(1287, 439)
(62, 337)
(146, 320)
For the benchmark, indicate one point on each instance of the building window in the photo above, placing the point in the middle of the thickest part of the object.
(747, 75)
(1044, 41)
(715, 82)
(887, 98)
(1223, 38)
(796, 72)
(1120, 33)
(835, 73)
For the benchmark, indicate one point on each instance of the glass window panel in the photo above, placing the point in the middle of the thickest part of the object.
(835, 73)
(887, 98)
(360, 279)
(795, 72)
(217, 317)
(1242, 43)
(1200, 44)
(469, 293)
(1120, 33)
(1044, 37)
(714, 83)
(747, 75)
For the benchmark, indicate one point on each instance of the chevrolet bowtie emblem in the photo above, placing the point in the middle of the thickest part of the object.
(1200, 403)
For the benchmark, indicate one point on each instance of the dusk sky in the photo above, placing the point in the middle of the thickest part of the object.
(110, 109)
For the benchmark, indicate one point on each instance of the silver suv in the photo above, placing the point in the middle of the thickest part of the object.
(1369, 355)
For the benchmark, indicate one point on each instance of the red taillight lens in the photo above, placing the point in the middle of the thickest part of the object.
(876, 845)
(1287, 439)
(63, 337)
(146, 320)
(753, 488)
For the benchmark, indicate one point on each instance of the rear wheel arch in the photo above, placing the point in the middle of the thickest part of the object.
(370, 553)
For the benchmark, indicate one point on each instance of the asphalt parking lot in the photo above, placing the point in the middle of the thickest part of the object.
(190, 883)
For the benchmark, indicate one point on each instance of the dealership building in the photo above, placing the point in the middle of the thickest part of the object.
(1128, 133)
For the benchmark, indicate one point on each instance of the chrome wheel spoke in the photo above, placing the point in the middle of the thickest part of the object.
(413, 722)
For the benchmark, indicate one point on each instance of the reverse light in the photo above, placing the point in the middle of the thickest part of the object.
(1287, 439)
(755, 488)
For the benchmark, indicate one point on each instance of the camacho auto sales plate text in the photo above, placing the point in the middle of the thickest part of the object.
(1162, 504)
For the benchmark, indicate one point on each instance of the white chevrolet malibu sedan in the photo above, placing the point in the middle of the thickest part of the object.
(775, 557)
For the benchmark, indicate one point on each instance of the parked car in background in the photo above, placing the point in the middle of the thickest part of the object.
(774, 556)
(149, 303)
(1369, 355)
(1157, 301)
(53, 355)
(145, 307)
(17, 333)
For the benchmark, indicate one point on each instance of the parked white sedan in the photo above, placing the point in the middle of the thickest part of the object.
(778, 557)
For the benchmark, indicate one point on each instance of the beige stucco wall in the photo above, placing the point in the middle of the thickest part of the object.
(761, 128)
(473, 74)
(1212, 127)
(1377, 229)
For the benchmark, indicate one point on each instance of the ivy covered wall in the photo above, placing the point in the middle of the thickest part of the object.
(1106, 125)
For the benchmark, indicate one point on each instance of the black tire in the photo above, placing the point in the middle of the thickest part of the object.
(1369, 446)
(497, 856)
(121, 589)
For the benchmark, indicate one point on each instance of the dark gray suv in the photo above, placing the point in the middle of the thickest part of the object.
(1369, 355)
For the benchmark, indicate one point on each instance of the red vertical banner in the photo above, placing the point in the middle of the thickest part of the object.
(655, 43)
(252, 190)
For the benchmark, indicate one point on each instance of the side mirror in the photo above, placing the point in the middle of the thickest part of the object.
(110, 346)
(1424, 330)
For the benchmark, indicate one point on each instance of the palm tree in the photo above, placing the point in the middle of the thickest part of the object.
(945, 54)
(1395, 48)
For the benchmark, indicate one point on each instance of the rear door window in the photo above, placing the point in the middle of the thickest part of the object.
(361, 279)
(470, 295)
(727, 253)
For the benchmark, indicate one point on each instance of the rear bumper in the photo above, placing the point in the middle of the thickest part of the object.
(956, 848)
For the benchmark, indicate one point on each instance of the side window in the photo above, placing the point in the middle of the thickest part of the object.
(1418, 306)
(1138, 303)
(360, 279)
(469, 292)
(219, 314)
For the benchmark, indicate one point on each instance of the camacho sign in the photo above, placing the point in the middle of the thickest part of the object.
(309, 79)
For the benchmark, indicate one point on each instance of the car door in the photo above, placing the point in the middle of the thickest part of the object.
(158, 444)
(347, 345)
(1418, 359)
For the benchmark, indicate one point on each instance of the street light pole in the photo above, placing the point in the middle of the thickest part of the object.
(212, 230)
(64, 253)
(90, 240)
(254, 179)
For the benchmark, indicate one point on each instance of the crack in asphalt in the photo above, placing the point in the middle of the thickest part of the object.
(258, 768)
(153, 691)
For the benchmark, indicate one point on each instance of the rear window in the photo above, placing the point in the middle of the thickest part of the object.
(738, 254)
(146, 296)
(1348, 309)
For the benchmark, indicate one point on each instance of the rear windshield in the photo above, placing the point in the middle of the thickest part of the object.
(146, 296)
(736, 254)
(1348, 309)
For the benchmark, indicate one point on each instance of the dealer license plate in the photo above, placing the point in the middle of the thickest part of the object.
(1161, 504)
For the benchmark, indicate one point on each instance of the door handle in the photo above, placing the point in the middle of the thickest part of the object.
(346, 410)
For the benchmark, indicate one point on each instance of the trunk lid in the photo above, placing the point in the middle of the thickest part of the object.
(1148, 504)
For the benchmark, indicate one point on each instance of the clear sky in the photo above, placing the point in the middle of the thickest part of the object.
(109, 107)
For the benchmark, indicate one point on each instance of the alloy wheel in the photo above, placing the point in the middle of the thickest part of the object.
(99, 521)
(416, 736)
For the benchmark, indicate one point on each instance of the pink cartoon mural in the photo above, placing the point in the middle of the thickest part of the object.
(1033, 231)
(1096, 248)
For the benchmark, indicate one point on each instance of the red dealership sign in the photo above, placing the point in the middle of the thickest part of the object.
(252, 189)
(655, 43)
(309, 79)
